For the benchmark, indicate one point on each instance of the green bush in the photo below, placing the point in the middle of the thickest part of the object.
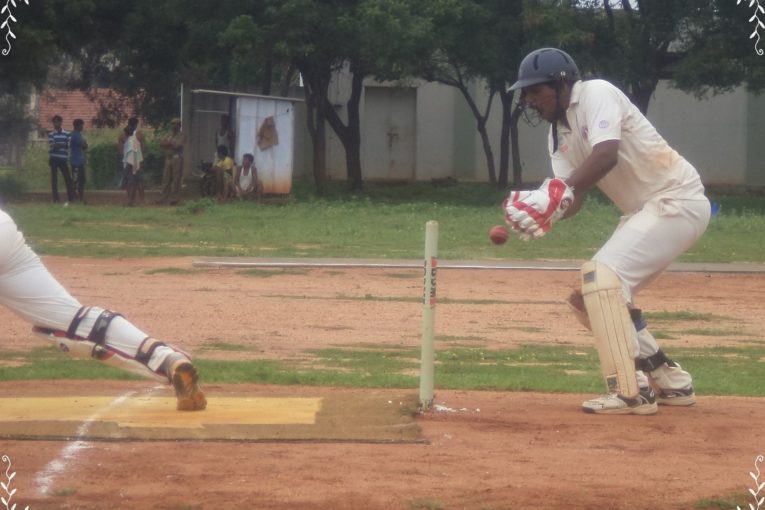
(11, 187)
(153, 163)
(105, 165)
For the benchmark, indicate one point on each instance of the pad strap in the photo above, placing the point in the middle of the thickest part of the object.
(98, 334)
(636, 314)
(71, 333)
(146, 349)
(653, 362)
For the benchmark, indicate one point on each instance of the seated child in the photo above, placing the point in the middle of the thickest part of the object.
(246, 183)
(224, 172)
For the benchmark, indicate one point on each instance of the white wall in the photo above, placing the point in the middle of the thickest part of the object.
(711, 134)
(717, 134)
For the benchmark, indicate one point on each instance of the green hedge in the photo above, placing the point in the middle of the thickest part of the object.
(105, 165)
(11, 187)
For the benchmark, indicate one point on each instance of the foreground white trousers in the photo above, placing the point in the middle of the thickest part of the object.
(29, 290)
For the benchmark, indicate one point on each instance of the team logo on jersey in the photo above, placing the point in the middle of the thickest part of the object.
(585, 132)
(603, 124)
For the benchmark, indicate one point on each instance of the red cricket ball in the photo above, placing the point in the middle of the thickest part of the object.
(498, 234)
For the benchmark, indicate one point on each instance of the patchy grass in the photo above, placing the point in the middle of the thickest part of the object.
(683, 315)
(716, 370)
(412, 275)
(225, 346)
(458, 338)
(713, 332)
(168, 270)
(728, 502)
(425, 504)
(337, 225)
(267, 273)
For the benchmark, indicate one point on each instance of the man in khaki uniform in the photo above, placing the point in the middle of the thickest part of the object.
(172, 143)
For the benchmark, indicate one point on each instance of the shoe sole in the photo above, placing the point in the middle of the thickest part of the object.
(642, 410)
(185, 383)
(684, 401)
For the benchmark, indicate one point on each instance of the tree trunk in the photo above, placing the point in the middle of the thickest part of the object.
(517, 170)
(480, 124)
(315, 90)
(488, 151)
(504, 138)
(320, 156)
(350, 134)
(284, 88)
(268, 76)
(641, 97)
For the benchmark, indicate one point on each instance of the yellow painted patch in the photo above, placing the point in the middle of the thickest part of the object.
(160, 412)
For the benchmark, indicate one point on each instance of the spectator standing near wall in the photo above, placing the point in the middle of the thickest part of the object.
(78, 145)
(132, 127)
(225, 135)
(172, 144)
(132, 162)
(58, 152)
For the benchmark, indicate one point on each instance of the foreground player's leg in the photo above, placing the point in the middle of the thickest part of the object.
(111, 339)
(615, 339)
(673, 385)
(29, 290)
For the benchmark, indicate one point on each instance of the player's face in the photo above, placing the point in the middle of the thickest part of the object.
(541, 97)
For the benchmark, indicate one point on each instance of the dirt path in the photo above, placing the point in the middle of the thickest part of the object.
(495, 451)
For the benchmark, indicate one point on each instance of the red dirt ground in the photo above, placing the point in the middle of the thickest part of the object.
(497, 450)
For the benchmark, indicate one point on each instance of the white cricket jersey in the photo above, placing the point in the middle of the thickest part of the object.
(647, 166)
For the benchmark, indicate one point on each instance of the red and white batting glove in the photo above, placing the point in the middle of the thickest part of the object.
(532, 213)
(515, 196)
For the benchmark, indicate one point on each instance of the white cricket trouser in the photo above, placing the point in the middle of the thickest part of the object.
(29, 290)
(648, 241)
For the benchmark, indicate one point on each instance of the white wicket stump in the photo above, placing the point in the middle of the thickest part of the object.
(427, 357)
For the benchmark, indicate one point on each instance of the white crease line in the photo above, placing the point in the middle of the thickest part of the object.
(45, 478)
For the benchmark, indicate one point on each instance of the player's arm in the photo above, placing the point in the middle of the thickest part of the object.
(602, 160)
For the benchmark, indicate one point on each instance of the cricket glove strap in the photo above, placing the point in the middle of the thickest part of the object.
(533, 213)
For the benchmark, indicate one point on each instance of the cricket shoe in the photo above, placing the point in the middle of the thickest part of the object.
(613, 403)
(185, 381)
(671, 397)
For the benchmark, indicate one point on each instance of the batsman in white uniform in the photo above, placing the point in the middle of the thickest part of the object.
(29, 290)
(599, 138)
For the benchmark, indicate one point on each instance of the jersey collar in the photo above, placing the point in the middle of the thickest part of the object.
(576, 90)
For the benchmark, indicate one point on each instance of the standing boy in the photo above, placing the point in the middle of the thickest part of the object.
(172, 144)
(58, 154)
(78, 145)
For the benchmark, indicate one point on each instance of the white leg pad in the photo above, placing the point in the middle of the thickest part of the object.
(615, 336)
(87, 349)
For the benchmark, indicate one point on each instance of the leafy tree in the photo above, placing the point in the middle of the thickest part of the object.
(363, 38)
(483, 42)
(382, 39)
(465, 52)
(719, 53)
(702, 47)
